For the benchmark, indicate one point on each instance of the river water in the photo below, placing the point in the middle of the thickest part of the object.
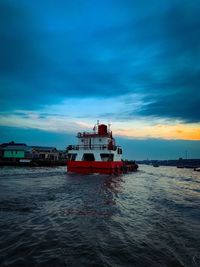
(146, 218)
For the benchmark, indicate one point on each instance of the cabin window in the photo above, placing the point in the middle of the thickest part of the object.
(119, 151)
(88, 157)
(72, 157)
(106, 157)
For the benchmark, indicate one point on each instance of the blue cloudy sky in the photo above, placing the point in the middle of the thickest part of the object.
(66, 64)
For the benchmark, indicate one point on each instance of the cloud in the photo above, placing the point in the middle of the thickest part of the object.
(180, 106)
(162, 131)
(133, 129)
(52, 52)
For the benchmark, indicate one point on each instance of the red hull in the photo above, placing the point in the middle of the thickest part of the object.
(86, 167)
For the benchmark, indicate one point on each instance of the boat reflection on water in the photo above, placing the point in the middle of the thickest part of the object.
(114, 183)
(98, 196)
(99, 202)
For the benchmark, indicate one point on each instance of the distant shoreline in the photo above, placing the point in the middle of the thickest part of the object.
(33, 163)
(181, 163)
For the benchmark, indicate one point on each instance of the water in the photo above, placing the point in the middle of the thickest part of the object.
(147, 218)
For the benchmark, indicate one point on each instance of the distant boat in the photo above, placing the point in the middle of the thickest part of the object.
(25, 160)
(180, 166)
(189, 167)
(197, 169)
(155, 165)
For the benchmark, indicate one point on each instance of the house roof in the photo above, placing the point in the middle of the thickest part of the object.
(24, 147)
(12, 144)
(43, 148)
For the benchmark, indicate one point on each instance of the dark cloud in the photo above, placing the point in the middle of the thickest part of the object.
(52, 51)
(179, 101)
(175, 107)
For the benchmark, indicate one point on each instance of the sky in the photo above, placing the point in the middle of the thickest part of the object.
(134, 64)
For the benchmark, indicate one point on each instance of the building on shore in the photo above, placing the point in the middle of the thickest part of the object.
(13, 150)
(16, 151)
(44, 153)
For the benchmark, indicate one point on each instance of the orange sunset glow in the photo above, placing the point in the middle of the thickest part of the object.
(179, 131)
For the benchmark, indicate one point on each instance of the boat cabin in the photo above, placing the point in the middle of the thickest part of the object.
(98, 145)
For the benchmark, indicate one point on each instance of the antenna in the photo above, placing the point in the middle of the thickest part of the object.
(109, 124)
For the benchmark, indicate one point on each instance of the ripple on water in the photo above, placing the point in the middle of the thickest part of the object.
(147, 218)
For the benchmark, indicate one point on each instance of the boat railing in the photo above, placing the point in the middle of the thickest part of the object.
(93, 134)
(92, 147)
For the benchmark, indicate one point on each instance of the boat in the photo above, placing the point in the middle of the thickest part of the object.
(189, 166)
(155, 165)
(180, 166)
(197, 169)
(97, 152)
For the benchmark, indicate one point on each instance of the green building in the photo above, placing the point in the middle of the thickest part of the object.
(15, 152)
